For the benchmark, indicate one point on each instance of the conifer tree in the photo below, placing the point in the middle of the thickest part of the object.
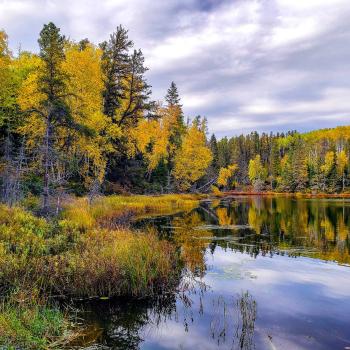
(115, 66)
(172, 97)
(53, 87)
(215, 152)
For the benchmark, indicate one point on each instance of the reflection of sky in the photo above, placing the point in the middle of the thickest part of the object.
(301, 304)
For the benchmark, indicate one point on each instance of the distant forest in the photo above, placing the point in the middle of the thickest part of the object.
(78, 118)
(316, 161)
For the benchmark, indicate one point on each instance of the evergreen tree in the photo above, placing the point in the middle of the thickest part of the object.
(53, 107)
(213, 145)
(115, 66)
(172, 97)
(137, 92)
(275, 163)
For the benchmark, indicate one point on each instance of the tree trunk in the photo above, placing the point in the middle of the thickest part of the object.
(46, 192)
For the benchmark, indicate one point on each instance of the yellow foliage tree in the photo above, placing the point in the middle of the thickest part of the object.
(193, 158)
(257, 173)
(84, 98)
(153, 137)
(225, 174)
(342, 162)
(329, 161)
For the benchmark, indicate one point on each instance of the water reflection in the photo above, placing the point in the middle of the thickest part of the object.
(262, 225)
(125, 325)
(258, 275)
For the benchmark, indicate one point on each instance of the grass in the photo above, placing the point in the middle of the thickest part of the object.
(110, 211)
(112, 263)
(28, 321)
(33, 327)
(79, 255)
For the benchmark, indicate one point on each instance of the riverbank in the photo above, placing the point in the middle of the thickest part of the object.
(286, 194)
(88, 252)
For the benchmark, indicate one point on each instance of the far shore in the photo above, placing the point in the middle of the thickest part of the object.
(288, 194)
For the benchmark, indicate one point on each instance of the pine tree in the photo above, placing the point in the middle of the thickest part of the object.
(213, 145)
(53, 87)
(115, 66)
(275, 163)
(172, 96)
(135, 102)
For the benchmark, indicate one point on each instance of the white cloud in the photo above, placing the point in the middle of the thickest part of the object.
(243, 64)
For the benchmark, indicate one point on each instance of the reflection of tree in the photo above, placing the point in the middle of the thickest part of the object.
(123, 323)
(223, 216)
(317, 228)
(193, 242)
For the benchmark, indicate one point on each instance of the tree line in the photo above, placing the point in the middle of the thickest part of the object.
(78, 118)
(316, 161)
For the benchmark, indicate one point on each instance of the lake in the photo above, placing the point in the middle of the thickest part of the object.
(259, 273)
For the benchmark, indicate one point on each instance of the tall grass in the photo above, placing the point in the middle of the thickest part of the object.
(113, 263)
(58, 257)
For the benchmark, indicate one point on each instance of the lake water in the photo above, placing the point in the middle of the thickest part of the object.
(261, 273)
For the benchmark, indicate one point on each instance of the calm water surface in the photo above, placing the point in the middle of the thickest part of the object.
(261, 273)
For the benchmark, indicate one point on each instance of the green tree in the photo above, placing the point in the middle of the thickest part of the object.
(115, 66)
(172, 97)
(215, 152)
(52, 83)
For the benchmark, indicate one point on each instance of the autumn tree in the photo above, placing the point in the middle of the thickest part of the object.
(89, 150)
(257, 173)
(342, 162)
(226, 175)
(192, 158)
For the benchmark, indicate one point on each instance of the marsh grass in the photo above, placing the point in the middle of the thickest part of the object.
(113, 263)
(109, 211)
(77, 257)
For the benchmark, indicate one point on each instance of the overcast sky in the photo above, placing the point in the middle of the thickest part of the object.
(266, 65)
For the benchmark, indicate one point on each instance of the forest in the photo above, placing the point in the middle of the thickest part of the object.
(79, 119)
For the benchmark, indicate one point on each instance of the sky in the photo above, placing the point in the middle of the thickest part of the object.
(265, 65)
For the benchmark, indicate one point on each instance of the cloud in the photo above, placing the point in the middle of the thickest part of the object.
(244, 64)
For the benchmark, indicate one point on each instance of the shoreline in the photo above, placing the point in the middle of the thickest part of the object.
(285, 194)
